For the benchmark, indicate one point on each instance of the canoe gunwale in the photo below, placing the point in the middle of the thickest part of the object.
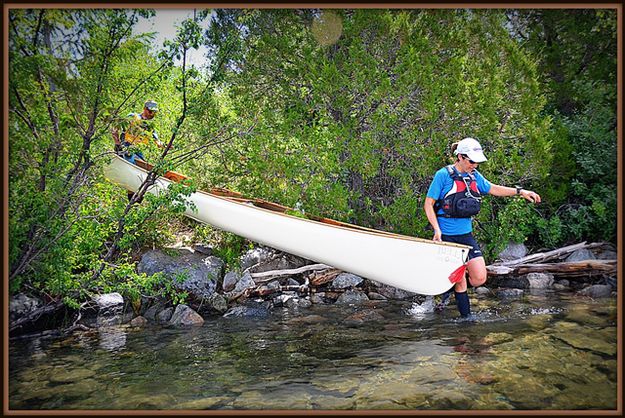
(241, 200)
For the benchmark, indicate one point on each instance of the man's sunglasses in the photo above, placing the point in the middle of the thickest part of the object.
(468, 159)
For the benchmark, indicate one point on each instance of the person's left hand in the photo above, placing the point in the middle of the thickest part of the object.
(530, 196)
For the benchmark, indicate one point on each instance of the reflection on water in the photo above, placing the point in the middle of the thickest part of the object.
(543, 351)
(112, 338)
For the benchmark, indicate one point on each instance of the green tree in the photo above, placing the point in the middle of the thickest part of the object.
(355, 129)
(576, 52)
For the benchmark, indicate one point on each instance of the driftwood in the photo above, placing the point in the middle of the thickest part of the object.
(265, 291)
(267, 276)
(550, 255)
(318, 278)
(535, 263)
(571, 269)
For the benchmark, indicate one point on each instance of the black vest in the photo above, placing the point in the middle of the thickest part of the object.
(463, 200)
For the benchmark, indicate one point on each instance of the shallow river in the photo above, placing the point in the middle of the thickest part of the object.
(549, 351)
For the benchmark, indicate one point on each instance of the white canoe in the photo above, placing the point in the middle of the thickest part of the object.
(413, 264)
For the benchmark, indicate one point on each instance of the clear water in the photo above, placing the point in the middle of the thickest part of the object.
(544, 351)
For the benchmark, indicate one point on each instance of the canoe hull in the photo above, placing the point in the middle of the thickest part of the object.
(419, 266)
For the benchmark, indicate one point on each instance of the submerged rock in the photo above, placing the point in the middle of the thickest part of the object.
(597, 291)
(296, 302)
(482, 290)
(362, 317)
(352, 296)
(248, 312)
(510, 293)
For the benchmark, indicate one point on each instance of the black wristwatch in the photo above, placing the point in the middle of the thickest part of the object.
(518, 189)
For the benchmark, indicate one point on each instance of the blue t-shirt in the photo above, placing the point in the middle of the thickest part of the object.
(441, 184)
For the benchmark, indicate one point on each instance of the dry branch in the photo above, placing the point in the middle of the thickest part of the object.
(568, 269)
(267, 276)
(550, 255)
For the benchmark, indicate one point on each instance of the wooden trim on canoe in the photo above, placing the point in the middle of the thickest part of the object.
(275, 207)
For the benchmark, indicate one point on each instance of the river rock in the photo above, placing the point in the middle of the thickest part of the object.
(597, 291)
(376, 296)
(262, 259)
(539, 280)
(185, 316)
(513, 251)
(346, 280)
(361, 317)
(246, 282)
(217, 303)
(191, 272)
(164, 316)
(318, 298)
(296, 302)
(71, 375)
(352, 297)
(482, 290)
(247, 311)
(109, 310)
(581, 255)
(139, 321)
(256, 256)
(21, 305)
(230, 281)
(510, 293)
(394, 293)
(152, 311)
(515, 282)
(606, 255)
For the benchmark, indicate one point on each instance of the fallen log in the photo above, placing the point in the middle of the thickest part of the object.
(549, 255)
(267, 276)
(566, 269)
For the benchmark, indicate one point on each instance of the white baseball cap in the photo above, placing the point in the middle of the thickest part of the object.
(472, 149)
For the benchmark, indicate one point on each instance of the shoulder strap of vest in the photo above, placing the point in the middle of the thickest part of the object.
(454, 174)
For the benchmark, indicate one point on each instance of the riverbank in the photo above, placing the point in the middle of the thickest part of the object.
(267, 279)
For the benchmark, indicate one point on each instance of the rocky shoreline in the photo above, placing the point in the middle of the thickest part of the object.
(267, 279)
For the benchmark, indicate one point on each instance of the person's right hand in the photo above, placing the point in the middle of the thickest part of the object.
(437, 235)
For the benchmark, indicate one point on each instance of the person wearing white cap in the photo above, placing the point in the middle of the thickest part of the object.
(453, 198)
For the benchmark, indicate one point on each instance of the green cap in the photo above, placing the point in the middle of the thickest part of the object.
(151, 105)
